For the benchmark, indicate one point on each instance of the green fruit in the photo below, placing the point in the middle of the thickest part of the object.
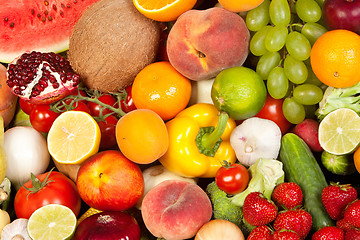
(239, 91)
(338, 164)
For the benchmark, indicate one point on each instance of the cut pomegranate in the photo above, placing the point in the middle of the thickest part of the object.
(41, 78)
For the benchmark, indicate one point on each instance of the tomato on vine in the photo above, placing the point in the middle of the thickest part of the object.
(42, 117)
(232, 179)
(46, 188)
(26, 106)
(108, 132)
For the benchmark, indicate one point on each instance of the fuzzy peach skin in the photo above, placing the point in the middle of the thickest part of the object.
(202, 43)
(175, 209)
(7, 99)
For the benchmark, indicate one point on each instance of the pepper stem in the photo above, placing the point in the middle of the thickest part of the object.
(210, 139)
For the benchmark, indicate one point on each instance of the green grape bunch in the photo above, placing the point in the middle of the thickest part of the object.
(283, 32)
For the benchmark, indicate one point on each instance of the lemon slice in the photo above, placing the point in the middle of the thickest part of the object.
(339, 131)
(163, 10)
(53, 221)
(73, 137)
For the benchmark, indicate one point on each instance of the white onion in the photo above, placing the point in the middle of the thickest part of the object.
(219, 229)
(26, 152)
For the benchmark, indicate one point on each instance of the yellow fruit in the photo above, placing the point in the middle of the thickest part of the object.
(91, 211)
(3, 160)
(73, 137)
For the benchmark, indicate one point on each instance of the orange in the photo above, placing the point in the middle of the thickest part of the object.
(356, 157)
(163, 10)
(335, 58)
(240, 5)
(159, 87)
(142, 136)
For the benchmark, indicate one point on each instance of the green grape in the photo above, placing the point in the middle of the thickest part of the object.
(293, 111)
(307, 94)
(266, 63)
(257, 42)
(308, 10)
(312, 78)
(280, 13)
(312, 31)
(297, 46)
(258, 17)
(295, 70)
(277, 83)
(275, 39)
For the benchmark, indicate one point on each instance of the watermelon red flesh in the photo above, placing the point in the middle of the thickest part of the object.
(41, 25)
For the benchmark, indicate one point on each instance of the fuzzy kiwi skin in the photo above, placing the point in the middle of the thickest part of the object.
(111, 43)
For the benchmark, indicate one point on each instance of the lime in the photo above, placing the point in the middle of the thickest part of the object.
(339, 131)
(239, 91)
(338, 164)
(52, 221)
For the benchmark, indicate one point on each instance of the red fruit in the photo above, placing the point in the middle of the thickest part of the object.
(108, 129)
(262, 232)
(95, 108)
(258, 210)
(343, 224)
(352, 213)
(329, 233)
(352, 234)
(285, 235)
(287, 195)
(42, 117)
(41, 78)
(297, 220)
(336, 197)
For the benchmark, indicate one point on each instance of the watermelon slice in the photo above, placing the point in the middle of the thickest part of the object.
(40, 25)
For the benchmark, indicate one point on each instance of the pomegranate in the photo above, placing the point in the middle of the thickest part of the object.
(41, 78)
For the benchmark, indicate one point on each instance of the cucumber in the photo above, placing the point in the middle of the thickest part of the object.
(301, 167)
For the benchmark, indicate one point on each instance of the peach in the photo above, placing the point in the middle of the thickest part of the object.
(202, 43)
(175, 209)
(8, 100)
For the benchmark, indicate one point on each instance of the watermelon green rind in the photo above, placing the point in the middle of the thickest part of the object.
(41, 25)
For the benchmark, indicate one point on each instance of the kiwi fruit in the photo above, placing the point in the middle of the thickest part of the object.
(110, 43)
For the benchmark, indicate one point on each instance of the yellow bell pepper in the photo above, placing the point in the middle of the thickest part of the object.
(199, 141)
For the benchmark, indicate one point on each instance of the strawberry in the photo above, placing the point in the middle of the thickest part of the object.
(285, 234)
(352, 234)
(329, 233)
(258, 210)
(287, 195)
(352, 213)
(297, 220)
(260, 233)
(343, 224)
(336, 197)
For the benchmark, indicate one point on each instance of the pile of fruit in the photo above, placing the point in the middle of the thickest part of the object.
(182, 119)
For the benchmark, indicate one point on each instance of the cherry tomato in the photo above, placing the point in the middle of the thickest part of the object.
(232, 179)
(108, 132)
(26, 106)
(95, 108)
(79, 106)
(272, 110)
(128, 105)
(58, 189)
(42, 117)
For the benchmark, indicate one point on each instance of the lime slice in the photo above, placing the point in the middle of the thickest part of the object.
(52, 221)
(339, 131)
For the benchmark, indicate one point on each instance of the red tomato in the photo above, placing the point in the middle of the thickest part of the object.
(272, 110)
(42, 117)
(108, 130)
(58, 189)
(79, 106)
(232, 179)
(26, 106)
(95, 108)
(128, 105)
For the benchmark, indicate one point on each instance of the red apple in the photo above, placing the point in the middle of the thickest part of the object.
(308, 130)
(342, 14)
(108, 181)
(108, 225)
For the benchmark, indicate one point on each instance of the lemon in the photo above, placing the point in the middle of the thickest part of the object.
(73, 137)
(239, 91)
(339, 131)
(3, 160)
(52, 221)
